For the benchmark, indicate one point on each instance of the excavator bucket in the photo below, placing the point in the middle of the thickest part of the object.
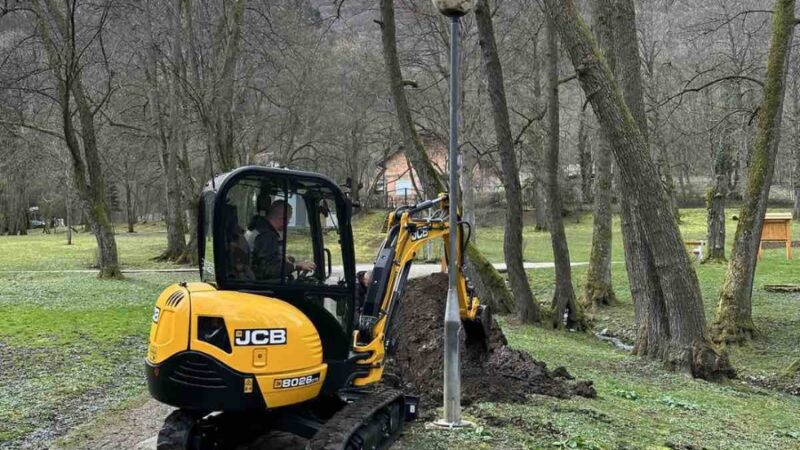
(479, 331)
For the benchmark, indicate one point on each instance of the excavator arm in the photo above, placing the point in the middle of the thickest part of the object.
(406, 236)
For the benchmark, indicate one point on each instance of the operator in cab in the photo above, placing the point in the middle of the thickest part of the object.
(268, 245)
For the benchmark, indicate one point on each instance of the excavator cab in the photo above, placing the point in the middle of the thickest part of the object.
(287, 235)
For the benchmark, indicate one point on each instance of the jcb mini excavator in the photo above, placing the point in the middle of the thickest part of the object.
(274, 339)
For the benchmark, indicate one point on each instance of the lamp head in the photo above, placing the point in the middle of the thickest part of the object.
(453, 8)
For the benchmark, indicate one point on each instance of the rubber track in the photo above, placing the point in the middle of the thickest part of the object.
(336, 432)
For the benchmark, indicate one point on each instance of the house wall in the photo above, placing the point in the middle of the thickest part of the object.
(399, 189)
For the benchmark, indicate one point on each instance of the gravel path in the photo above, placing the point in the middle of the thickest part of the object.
(134, 428)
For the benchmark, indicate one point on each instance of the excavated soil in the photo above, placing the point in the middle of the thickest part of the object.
(499, 374)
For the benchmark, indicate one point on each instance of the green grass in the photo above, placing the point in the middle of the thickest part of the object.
(38, 251)
(71, 347)
(638, 405)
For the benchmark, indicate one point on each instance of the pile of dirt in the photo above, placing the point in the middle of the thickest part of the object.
(499, 374)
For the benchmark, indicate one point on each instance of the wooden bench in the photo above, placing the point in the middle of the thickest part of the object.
(777, 228)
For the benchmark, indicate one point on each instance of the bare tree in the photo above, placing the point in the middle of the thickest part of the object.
(56, 26)
(164, 75)
(734, 321)
(527, 308)
(566, 312)
(684, 347)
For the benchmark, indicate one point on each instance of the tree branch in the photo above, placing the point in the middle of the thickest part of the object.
(568, 79)
(34, 128)
(111, 122)
(709, 84)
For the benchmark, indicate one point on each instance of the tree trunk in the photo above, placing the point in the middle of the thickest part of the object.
(638, 262)
(715, 206)
(535, 137)
(130, 209)
(665, 168)
(566, 312)
(527, 308)
(467, 178)
(495, 294)
(69, 218)
(686, 347)
(585, 160)
(715, 199)
(796, 149)
(189, 255)
(222, 100)
(598, 291)
(734, 320)
(166, 119)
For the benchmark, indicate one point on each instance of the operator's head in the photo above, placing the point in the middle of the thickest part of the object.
(275, 213)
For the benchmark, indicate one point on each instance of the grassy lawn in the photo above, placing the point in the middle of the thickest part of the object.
(71, 347)
(39, 251)
(638, 406)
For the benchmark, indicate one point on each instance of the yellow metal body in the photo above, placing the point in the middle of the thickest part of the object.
(174, 328)
(414, 234)
(301, 355)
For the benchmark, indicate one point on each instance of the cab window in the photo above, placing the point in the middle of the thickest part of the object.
(275, 232)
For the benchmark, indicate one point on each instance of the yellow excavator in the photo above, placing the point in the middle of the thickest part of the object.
(275, 339)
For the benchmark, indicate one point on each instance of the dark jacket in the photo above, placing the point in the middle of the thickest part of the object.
(268, 254)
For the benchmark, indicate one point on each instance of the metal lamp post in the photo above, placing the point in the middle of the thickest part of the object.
(454, 9)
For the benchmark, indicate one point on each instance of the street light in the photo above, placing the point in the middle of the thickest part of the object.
(453, 8)
(452, 320)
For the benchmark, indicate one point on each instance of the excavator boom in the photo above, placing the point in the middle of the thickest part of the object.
(406, 236)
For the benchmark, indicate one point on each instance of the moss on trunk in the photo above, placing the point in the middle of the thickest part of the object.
(734, 322)
(491, 286)
(730, 327)
(597, 295)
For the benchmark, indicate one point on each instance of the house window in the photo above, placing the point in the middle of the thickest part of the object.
(404, 187)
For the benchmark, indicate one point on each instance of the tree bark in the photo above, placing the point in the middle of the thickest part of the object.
(222, 100)
(715, 199)
(734, 320)
(130, 208)
(585, 160)
(566, 312)
(643, 281)
(796, 149)
(535, 137)
(468, 207)
(494, 292)
(686, 348)
(166, 122)
(527, 308)
(598, 290)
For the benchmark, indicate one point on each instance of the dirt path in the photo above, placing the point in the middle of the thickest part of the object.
(133, 428)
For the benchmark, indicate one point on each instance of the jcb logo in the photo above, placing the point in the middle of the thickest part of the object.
(421, 233)
(265, 336)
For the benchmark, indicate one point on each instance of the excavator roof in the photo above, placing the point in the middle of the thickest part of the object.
(215, 184)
